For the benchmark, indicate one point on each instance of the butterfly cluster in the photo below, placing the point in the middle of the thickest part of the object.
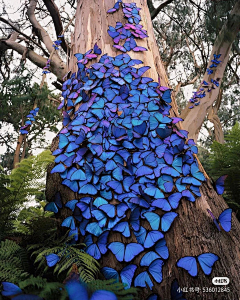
(127, 162)
(130, 31)
(55, 46)
(31, 116)
(46, 68)
(215, 63)
(206, 86)
(127, 159)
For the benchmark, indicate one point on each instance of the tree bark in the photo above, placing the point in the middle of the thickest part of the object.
(193, 231)
(194, 118)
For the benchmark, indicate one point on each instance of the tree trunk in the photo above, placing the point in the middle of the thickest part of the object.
(194, 118)
(193, 232)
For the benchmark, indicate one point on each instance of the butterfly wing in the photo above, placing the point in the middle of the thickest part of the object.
(75, 290)
(219, 184)
(152, 237)
(162, 249)
(214, 219)
(103, 295)
(110, 273)
(206, 261)
(225, 219)
(132, 250)
(153, 219)
(143, 280)
(52, 259)
(118, 249)
(188, 263)
(102, 242)
(123, 228)
(10, 289)
(148, 258)
(166, 220)
(155, 270)
(127, 274)
(176, 293)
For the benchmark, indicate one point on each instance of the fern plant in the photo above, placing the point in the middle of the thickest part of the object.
(225, 159)
(70, 254)
(20, 186)
(14, 264)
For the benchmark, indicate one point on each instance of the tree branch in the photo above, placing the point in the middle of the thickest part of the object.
(23, 34)
(194, 118)
(54, 12)
(43, 35)
(157, 10)
(38, 60)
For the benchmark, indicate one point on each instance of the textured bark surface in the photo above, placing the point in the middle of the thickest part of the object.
(194, 118)
(193, 232)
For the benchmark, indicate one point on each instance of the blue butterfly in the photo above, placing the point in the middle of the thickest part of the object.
(176, 293)
(155, 269)
(126, 274)
(206, 261)
(52, 259)
(96, 250)
(77, 291)
(122, 227)
(224, 219)
(152, 238)
(10, 290)
(219, 184)
(165, 220)
(54, 206)
(168, 204)
(69, 222)
(153, 297)
(125, 253)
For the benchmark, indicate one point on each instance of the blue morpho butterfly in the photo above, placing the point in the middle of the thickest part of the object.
(148, 239)
(122, 227)
(150, 256)
(219, 184)
(167, 96)
(216, 56)
(77, 291)
(155, 269)
(71, 204)
(96, 250)
(54, 206)
(153, 297)
(69, 222)
(14, 292)
(206, 261)
(176, 293)
(165, 220)
(126, 274)
(52, 259)
(224, 219)
(125, 252)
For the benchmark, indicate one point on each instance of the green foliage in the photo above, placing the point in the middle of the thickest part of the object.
(21, 186)
(14, 265)
(18, 96)
(225, 159)
(113, 286)
(41, 287)
(69, 254)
